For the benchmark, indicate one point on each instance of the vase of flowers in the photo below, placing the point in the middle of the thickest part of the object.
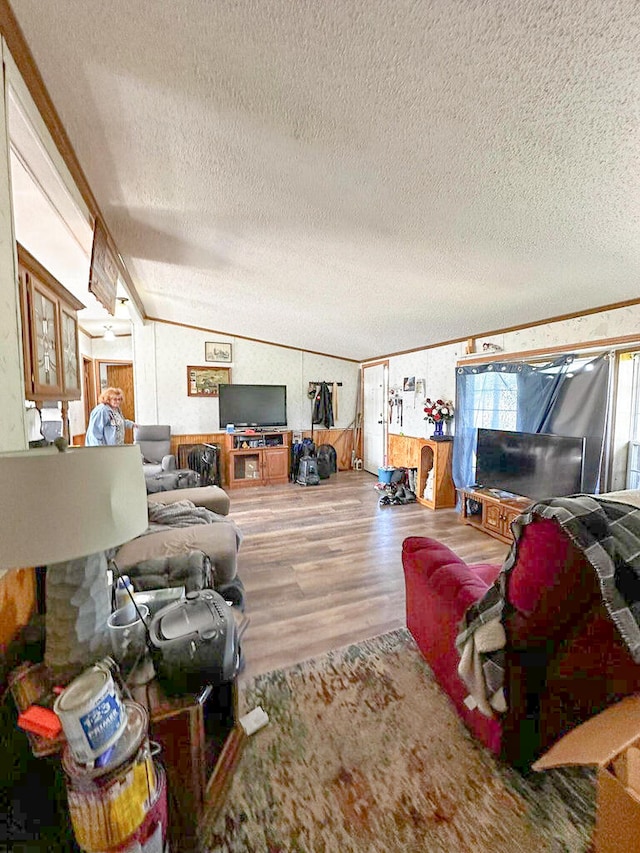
(439, 413)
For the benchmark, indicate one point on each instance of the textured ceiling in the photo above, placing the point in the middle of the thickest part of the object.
(356, 177)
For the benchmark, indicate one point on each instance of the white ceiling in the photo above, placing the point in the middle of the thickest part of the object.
(356, 177)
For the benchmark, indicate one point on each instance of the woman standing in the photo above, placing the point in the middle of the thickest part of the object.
(106, 422)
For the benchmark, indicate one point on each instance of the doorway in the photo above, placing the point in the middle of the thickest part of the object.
(119, 374)
(375, 380)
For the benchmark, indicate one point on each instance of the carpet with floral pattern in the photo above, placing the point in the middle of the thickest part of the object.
(364, 753)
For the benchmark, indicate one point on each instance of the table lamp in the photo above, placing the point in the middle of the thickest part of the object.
(64, 509)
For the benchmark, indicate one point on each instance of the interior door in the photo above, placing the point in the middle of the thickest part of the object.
(375, 381)
(121, 376)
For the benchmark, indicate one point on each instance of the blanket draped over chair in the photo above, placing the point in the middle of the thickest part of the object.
(606, 529)
(185, 514)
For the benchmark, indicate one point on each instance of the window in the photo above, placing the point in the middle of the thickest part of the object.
(495, 400)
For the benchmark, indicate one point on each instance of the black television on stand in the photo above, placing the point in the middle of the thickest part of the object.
(534, 465)
(256, 406)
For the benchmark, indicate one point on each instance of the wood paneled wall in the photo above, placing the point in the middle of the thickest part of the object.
(341, 439)
(404, 451)
(17, 602)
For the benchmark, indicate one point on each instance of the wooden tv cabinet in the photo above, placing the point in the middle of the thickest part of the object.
(257, 458)
(492, 511)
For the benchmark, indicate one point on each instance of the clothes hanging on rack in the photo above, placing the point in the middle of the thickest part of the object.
(323, 407)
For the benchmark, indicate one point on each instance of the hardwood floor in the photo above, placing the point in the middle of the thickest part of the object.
(322, 565)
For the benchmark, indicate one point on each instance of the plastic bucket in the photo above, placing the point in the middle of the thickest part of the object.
(385, 475)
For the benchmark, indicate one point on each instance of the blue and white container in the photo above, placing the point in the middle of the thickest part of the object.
(92, 713)
(124, 598)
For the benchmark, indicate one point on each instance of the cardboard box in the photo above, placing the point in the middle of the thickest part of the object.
(604, 741)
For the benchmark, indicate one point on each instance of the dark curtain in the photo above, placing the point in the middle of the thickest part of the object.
(561, 397)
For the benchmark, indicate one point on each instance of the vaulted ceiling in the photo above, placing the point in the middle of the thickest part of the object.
(356, 177)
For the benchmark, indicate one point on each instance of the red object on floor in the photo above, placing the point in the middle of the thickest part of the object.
(41, 721)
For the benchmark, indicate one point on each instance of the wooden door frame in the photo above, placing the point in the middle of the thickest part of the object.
(98, 362)
(120, 362)
(89, 386)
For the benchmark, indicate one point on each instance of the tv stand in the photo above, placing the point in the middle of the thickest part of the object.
(492, 510)
(257, 458)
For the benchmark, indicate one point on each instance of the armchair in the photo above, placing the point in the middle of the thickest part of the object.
(565, 660)
(155, 445)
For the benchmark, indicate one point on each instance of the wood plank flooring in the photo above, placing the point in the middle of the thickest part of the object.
(322, 565)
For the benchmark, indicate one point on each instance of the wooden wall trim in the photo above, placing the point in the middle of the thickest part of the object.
(602, 343)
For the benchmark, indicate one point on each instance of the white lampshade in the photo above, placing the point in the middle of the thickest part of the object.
(57, 506)
(64, 510)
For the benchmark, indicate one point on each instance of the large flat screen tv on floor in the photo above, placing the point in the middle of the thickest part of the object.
(253, 405)
(534, 465)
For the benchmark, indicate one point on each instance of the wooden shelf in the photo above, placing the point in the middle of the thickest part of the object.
(426, 455)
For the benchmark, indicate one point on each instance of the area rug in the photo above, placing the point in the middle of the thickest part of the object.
(364, 753)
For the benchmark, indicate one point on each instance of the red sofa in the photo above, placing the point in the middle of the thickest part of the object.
(565, 660)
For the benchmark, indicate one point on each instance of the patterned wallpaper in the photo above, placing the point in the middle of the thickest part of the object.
(437, 366)
(163, 352)
(436, 369)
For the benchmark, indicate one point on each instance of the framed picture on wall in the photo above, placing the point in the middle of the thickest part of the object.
(204, 381)
(215, 351)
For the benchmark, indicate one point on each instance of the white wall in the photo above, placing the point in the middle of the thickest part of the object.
(119, 350)
(13, 433)
(163, 351)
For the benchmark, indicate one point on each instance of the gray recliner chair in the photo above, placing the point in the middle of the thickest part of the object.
(155, 445)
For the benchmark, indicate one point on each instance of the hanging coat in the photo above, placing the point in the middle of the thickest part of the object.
(323, 407)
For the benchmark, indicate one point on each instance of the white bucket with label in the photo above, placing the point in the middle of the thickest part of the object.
(92, 713)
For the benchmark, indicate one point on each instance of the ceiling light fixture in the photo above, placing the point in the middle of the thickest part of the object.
(108, 334)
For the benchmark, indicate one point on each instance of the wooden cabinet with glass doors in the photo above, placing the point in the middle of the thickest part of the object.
(49, 333)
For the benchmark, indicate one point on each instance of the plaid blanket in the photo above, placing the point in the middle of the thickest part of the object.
(607, 531)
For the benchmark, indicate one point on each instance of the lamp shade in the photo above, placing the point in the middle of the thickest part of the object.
(57, 506)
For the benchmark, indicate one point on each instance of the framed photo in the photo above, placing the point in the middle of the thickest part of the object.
(204, 381)
(409, 383)
(214, 351)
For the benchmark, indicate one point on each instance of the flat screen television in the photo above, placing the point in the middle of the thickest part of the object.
(535, 465)
(253, 405)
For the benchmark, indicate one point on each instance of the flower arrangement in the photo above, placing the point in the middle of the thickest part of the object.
(438, 411)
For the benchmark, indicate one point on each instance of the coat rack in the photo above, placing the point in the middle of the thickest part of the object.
(311, 392)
